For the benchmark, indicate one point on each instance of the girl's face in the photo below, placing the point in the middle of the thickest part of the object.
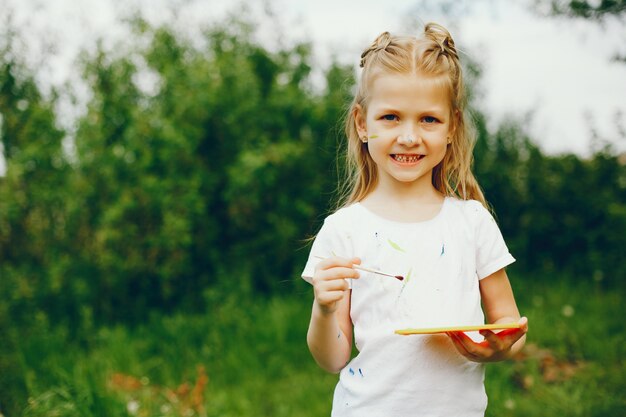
(408, 126)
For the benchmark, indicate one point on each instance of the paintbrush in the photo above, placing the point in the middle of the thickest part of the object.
(373, 271)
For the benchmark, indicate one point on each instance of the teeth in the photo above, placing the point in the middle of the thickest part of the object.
(407, 158)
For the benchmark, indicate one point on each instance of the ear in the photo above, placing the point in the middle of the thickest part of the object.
(454, 123)
(359, 120)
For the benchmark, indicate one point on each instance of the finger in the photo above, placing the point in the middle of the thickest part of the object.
(523, 322)
(459, 342)
(335, 261)
(459, 345)
(507, 332)
(331, 285)
(329, 297)
(510, 337)
(474, 349)
(494, 340)
(523, 329)
(335, 273)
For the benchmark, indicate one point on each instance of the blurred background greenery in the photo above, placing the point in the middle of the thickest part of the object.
(153, 268)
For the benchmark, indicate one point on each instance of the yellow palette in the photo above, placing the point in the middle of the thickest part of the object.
(434, 330)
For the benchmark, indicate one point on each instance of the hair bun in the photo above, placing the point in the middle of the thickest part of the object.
(442, 38)
(380, 44)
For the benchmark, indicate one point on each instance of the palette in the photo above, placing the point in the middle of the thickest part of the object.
(435, 330)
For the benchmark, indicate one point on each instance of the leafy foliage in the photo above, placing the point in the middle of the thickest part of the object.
(597, 10)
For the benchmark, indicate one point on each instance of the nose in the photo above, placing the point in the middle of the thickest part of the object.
(409, 139)
(409, 134)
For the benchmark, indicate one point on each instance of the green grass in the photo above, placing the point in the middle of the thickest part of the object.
(574, 364)
(254, 357)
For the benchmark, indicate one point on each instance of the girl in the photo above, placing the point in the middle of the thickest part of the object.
(414, 209)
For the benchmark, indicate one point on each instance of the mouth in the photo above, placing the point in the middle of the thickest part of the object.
(406, 158)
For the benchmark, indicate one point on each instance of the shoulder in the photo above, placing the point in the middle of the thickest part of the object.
(472, 208)
(470, 212)
(472, 205)
(344, 216)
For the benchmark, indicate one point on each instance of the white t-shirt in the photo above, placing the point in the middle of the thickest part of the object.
(442, 260)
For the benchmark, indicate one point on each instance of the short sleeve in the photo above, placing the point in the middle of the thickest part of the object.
(492, 253)
(330, 241)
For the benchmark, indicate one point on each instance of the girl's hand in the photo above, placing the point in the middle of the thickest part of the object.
(329, 281)
(495, 347)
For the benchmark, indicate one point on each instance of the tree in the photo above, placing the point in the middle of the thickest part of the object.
(32, 209)
(597, 10)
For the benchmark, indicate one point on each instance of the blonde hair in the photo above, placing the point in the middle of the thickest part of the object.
(434, 55)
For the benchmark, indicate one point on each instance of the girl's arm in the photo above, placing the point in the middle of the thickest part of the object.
(500, 307)
(330, 330)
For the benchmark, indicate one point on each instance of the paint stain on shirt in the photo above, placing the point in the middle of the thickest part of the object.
(395, 246)
(406, 280)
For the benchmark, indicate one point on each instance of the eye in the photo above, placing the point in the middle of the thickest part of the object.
(429, 119)
(390, 117)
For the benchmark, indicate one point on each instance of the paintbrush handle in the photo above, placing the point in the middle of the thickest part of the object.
(373, 271)
(366, 269)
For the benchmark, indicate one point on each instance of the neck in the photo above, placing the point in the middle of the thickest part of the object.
(406, 193)
(405, 202)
